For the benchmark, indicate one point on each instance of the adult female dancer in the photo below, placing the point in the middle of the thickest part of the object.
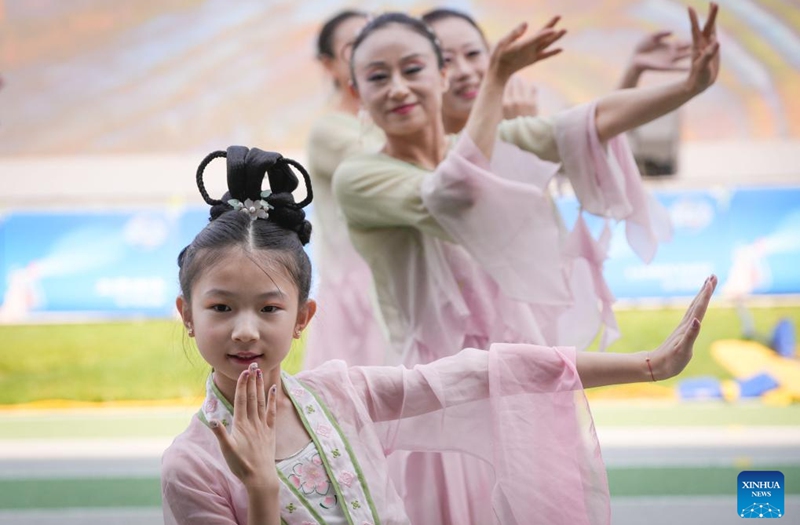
(463, 247)
(346, 327)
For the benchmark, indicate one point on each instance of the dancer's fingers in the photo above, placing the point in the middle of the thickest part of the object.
(240, 396)
(252, 397)
(261, 396)
(711, 23)
(272, 406)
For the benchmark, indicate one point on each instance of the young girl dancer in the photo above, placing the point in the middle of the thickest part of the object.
(346, 327)
(270, 448)
(464, 247)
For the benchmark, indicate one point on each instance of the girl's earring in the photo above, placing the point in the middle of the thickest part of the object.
(297, 334)
(190, 330)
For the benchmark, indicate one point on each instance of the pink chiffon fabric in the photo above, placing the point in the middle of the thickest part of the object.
(473, 253)
(344, 326)
(519, 410)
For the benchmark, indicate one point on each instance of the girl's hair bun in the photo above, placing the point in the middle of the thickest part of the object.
(246, 169)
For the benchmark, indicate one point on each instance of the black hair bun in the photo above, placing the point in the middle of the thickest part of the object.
(286, 214)
(246, 169)
(218, 209)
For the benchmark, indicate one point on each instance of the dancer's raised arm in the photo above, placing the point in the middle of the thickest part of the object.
(511, 54)
(626, 109)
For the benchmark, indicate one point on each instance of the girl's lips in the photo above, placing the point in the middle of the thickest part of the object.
(404, 109)
(244, 359)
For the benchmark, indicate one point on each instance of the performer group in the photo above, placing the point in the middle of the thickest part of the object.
(444, 368)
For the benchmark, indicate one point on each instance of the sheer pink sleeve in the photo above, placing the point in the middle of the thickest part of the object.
(521, 408)
(506, 223)
(606, 180)
(195, 486)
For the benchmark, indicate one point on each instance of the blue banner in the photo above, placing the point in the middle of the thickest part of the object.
(749, 238)
(112, 263)
(123, 263)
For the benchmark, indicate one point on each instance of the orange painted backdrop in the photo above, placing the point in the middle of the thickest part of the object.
(103, 76)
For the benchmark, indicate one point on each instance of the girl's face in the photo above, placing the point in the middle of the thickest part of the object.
(467, 58)
(338, 66)
(398, 80)
(244, 309)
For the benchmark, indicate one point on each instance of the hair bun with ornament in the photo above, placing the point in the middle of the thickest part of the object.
(246, 171)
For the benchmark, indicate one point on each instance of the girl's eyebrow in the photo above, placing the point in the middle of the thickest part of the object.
(266, 295)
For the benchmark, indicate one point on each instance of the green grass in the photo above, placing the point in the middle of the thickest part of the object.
(103, 362)
(155, 360)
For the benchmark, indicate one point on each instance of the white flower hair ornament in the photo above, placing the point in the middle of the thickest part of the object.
(256, 209)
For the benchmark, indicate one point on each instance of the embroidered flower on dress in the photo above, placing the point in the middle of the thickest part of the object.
(324, 430)
(329, 502)
(310, 477)
(211, 404)
(298, 392)
(346, 478)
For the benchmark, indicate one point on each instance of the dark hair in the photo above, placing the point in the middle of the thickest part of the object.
(325, 37)
(435, 15)
(414, 24)
(281, 228)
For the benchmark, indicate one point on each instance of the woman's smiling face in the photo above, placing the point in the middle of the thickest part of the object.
(398, 79)
(467, 57)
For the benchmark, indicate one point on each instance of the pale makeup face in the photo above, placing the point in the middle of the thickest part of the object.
(339, 66)
(244, 309)
(467, 59)
(398, 80)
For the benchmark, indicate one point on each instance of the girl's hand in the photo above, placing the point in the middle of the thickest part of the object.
(705, 52)
(513, 52)
(519, 99)
(669, 359)
(249, 449)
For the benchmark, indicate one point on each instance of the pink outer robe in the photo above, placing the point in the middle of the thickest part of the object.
(345, 326)
(474, 253)
(518, 409)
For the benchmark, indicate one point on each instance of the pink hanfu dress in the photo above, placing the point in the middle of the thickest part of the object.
(519, 410)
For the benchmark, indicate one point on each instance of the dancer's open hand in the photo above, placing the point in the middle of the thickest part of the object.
(249, 449)
(669, 359)
(705, 51)
(515, 51)
(656, 52)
